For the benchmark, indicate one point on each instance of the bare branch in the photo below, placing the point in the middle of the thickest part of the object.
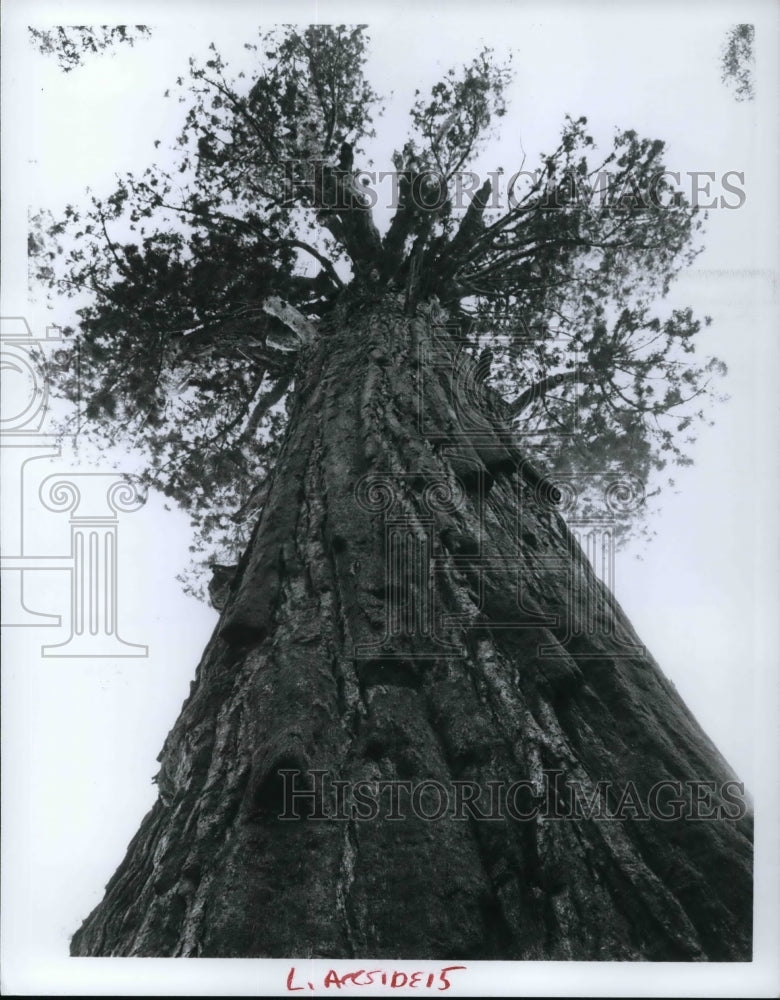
(263, 405)
(303, 330)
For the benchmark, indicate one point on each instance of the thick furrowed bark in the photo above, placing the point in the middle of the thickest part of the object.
(301, 675)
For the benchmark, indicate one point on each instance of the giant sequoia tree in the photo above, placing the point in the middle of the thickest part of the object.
(391, 392)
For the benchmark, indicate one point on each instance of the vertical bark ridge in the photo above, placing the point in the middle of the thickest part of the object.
(302, 675)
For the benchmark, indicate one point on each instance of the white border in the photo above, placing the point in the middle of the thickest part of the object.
(66, 976)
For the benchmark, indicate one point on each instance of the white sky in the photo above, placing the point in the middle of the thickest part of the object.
(82, 736)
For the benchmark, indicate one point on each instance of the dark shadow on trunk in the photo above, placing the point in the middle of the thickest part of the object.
(413, 608)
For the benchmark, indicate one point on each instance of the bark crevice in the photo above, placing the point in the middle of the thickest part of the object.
(413, 608)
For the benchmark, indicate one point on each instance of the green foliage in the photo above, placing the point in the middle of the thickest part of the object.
(179, 356)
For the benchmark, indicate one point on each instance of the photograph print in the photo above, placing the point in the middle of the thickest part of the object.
(403, 490)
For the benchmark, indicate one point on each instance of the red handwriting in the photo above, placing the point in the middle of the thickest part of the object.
(395, 979)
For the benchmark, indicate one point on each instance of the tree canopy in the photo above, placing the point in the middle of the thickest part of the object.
(207, 273)
(737, 61)
(69, 46)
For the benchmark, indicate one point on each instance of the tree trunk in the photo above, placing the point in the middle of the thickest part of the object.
(413, 608)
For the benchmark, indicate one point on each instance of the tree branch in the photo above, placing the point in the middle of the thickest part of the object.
(400, 225)
(539, 389)
(263, 405)
(303, 330)
(326, 264)
(472, 223)
(349, 221)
